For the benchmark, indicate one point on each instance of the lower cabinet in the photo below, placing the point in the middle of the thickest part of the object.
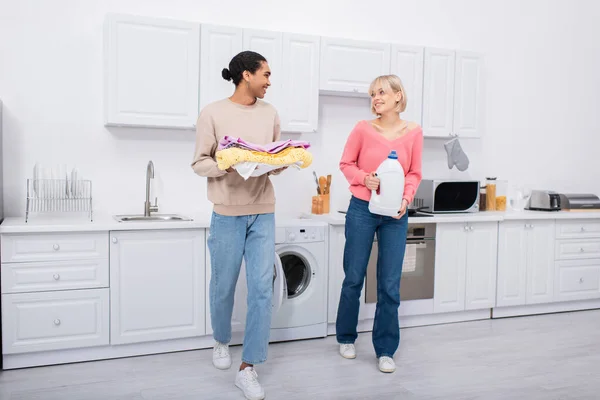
(57, 320)
(465, 266)
(525, 263)
(156, 285)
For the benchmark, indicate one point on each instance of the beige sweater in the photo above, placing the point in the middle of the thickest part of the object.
(229, 192)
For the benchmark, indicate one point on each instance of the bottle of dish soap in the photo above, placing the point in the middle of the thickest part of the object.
(391, 187)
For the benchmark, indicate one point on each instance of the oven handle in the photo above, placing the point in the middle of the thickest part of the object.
(419, 244)
(419, 240)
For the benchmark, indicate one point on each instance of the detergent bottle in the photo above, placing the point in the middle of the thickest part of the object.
(391, 187)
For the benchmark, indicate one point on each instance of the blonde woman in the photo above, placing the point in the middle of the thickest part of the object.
(367, 147)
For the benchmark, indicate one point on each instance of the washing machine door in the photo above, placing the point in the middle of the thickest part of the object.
(279, 286)
(240, 305)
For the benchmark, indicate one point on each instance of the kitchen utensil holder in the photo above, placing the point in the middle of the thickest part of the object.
(320, 204)
(58, 195)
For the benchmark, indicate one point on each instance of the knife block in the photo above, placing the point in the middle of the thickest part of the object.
(320, 204)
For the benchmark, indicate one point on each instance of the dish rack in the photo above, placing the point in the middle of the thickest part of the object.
(58, 195)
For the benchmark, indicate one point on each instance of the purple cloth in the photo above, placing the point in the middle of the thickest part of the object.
(272, 148)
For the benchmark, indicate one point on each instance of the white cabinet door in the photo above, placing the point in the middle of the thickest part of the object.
(450, 267)
(482, 250)
(349, 66)
(219, 44)
(299, 111)
(540, 261)
(512, 264)
(407, 64)
(468, 95)
(337, 240)
(151, 72)
(269, 45)
(525, 263)
(438, 92)
(157, 285)
(46, 321)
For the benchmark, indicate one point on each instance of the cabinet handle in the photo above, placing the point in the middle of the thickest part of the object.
(580, 280)
(56, 277)
(581, 250)
(114, 240)
(56, 247)
(582, 229)
(466, 228)
(470, 228)
(355, 90)
(57, 322)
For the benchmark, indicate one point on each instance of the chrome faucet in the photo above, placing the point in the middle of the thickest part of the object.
(148, 208)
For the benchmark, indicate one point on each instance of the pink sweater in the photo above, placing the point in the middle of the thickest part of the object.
(366, 149)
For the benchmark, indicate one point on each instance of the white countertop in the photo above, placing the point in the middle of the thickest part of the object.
(47, 224)
(42, 224)
(336, 218)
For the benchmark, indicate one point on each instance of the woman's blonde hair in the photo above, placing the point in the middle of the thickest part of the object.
(389, 83)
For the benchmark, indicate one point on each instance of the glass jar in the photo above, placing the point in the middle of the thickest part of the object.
(490, 194)
(482, 198)
(501, 194)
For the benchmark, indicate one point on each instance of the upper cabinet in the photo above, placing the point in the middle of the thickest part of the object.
(162, 73)
(218, 46)
(349, 66)
(452, 94)
(407, 64)
(269, 45)
(299, 109)
(151, 72)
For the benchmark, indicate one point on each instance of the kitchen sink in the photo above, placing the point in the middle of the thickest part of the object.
(152, 218)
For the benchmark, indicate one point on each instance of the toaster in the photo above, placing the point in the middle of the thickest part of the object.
(544, 200)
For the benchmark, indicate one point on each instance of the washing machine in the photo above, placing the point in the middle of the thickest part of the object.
(300, 274)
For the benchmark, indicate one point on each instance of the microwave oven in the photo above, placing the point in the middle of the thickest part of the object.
(437, 196)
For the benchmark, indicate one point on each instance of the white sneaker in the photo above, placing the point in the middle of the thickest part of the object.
(247, 380)
(221, 357)
(387, 364)
(348, 351)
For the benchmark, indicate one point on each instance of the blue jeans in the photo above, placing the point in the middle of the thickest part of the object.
(361, 227)
(251, 237)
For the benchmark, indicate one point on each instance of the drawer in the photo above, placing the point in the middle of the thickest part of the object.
(54, 246)
(54, 320)
(54, 275)
(577, 249)
(577, 280)
(577, 229)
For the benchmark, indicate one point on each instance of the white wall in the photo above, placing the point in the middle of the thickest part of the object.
(542, 87)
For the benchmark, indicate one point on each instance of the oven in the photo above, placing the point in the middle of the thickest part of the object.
(418, 269)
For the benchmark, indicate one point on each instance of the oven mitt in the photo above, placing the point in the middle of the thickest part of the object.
(456, 155)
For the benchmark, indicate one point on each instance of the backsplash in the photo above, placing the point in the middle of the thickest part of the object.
(536, 131)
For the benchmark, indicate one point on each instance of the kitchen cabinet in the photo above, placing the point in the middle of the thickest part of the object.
(299, 111)
(453, 93)
(525, 263)
(407, 64)
(349, 66)
(465, 266)
(55, 292)
(151, 71)
(219, 44)
(46, 321)
(577, 256)
(156, 285)
(294, 63)
(269, 45)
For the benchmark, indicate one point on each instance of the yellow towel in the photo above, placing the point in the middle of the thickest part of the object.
(231, 156)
